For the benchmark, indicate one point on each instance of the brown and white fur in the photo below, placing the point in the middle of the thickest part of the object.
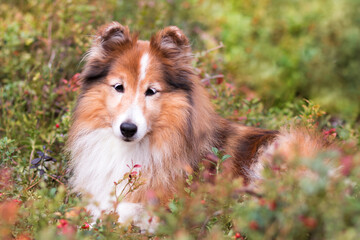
(151, 85)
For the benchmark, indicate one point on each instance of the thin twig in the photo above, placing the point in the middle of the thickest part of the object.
(211, 77)
(215, 48)
(202, 230)
(56, 179)
(31, 156)
(33, 185)
(249, 191)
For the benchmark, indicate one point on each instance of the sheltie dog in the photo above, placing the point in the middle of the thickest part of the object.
(142, 103)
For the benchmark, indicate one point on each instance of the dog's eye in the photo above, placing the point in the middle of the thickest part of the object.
(150, 92)
(119, 88)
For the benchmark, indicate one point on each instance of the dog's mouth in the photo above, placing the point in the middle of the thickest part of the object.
(133, 139)
(128, 139)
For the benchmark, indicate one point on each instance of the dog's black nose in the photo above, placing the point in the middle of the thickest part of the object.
(128, 129)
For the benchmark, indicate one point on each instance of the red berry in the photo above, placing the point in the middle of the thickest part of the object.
(85, 226)
(202, 201)
(57, 125)
(62, 223)
(238, 235)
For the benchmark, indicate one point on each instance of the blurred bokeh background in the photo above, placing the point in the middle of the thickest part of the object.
(265, 63)
(280, 50)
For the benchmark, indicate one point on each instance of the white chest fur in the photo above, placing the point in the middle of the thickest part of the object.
(99, 159)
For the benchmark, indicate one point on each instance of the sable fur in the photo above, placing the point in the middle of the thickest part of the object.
(181, 123)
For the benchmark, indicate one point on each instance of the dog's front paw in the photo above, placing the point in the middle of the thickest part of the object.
(146, 222)
(137, 214)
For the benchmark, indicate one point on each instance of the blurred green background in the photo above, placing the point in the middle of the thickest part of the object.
(278, 50)
(258, 59)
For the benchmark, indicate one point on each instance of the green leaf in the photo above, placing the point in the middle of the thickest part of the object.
(215, 151)
(225, 157)
(52, 192)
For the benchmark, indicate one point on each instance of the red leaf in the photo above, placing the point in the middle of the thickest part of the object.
(309, 222)
(272, 205)
(17, 201)
(219, 80)
(262, 202)
(347, 164)
(254, 225)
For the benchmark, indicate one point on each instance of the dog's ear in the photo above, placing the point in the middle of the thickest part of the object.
(172, 46)
(113, 36)
(110, 40)
(172, 43)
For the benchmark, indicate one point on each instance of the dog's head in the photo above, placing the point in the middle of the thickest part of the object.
(135, 87)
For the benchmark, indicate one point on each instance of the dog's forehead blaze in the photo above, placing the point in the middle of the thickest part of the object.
(137, 68)
(125, 68)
